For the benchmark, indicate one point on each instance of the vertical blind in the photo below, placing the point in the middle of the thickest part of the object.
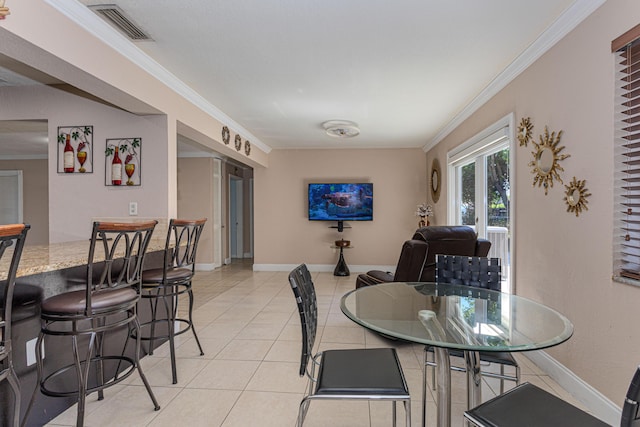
(627, 154)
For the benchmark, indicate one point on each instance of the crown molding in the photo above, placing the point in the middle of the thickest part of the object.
(569, 20)
(95, 25)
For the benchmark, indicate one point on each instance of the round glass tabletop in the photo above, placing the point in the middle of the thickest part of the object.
(456, 317)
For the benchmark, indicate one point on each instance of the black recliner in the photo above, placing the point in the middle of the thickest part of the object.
(418, 257)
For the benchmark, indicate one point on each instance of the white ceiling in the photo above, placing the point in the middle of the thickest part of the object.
(403, 70)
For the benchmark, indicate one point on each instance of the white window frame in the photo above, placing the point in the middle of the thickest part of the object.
(483, 143)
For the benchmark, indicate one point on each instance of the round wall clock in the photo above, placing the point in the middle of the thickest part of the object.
(238, 142)
(225, 135)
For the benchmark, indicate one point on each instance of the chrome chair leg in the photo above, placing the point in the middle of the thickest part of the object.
(424, 386)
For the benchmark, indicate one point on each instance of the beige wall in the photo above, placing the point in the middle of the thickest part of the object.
(560, 260)
(195, 199)
(35, 197)
(76, 199)
(285, 236)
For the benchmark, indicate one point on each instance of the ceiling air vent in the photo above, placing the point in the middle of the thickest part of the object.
(118, 19)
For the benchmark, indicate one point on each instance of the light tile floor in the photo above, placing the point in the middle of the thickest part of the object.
(250, 331)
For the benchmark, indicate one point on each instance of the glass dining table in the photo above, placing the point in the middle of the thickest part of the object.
(446, 317)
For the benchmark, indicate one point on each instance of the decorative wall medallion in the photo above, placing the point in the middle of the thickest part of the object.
(525, 131)
(123, 162)
(546, 156)
(576, 196)
(435, 180)
(75, 149)
(226, 135)
(238, 142)
(247, 148)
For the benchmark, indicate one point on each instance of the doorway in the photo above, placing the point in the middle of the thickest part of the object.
(480, 186)
(11, 196)
(236, 210)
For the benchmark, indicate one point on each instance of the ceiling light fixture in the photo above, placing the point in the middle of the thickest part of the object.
(341, 128)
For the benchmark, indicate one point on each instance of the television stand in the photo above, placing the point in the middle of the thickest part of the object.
(341, 268)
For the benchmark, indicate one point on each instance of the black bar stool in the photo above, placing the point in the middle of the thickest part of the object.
(108, 302)
(168, 283)
(12, 235)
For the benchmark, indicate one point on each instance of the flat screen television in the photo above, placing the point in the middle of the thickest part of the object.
(341, 202)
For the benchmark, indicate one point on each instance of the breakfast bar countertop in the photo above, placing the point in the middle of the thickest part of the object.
(57, 256)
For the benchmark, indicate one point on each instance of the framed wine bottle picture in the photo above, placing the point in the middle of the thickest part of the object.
(75, 149)
(123, 160)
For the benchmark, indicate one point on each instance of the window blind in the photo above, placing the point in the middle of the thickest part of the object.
(627, 155)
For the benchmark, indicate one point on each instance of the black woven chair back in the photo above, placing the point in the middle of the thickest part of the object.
(184, 235)
(12, 239)
(630, 413)
(116, 256)
(478, 272)
(305, 294)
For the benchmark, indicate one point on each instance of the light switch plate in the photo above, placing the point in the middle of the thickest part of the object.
(133, 208)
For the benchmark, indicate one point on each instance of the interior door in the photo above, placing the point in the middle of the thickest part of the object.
(235, 217)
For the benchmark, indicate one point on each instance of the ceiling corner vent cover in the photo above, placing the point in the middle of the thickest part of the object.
(341, 128)
(119, 19)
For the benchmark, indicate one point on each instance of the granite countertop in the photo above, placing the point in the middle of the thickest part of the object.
(43, 258)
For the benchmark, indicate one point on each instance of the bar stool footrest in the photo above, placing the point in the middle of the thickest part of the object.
(130, 367)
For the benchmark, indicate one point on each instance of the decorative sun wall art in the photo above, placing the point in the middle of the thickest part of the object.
(75, 149)
(546, 157)
(123, 159)
(576, 196)
(525, 131)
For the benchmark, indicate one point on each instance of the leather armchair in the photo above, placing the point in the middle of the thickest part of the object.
(417, 261)
(412, 260)
(449, 240)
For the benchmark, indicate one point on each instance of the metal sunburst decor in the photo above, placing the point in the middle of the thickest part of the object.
(525, 131)
(546, 156)
(576, 196)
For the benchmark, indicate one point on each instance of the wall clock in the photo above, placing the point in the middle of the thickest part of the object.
(435, 180)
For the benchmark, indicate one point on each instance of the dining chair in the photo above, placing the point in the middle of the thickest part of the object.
(12, 235)
(166, 284)
(529, 405)
(105, 303)
(360, 374)
(476, 272)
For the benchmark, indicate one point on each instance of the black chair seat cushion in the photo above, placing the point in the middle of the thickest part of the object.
(501, 357)
(360, 372)
(72, 303)
(154, 275)
(527, 406)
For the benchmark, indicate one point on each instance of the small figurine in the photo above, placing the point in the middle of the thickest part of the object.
(4, 11)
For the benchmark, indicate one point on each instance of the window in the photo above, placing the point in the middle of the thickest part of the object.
(627, 156)
(479, 172)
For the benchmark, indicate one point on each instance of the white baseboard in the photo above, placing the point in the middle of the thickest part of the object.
(207, 267)
(598, 404)
(353, 269)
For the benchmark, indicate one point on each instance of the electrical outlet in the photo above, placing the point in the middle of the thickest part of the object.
(31, 351)
(133, 208)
